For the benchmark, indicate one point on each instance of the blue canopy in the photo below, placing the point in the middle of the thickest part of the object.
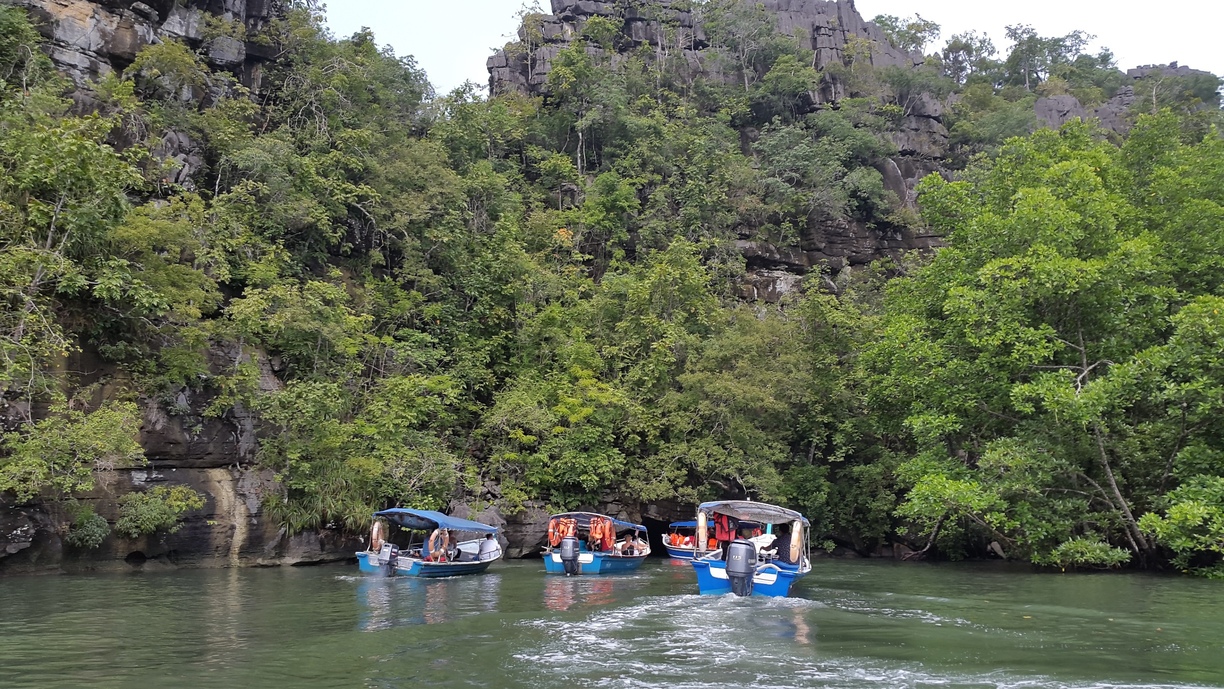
(755, 511)
(584, 520)
(427, 520)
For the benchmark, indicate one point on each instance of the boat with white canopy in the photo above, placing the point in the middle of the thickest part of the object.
(764, 559)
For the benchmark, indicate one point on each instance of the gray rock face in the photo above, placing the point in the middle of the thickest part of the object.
(215, 456)
(89, 38)
(1057, 110)
(1114, 114)
(826, 25)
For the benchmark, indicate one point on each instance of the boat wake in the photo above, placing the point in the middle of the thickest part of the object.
(701, 642)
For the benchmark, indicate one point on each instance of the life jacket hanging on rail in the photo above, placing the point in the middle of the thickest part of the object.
(560, 527)
(595, 534)
(725, 527)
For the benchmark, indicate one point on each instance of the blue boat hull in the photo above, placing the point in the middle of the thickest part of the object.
(408, 567)
(594, 563)
(769, 580)
(680, 553)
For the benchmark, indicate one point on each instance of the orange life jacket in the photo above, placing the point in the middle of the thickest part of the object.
(560, 527)
(595, 537)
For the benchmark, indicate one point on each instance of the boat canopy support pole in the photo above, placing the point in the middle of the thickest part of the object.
(702, 535)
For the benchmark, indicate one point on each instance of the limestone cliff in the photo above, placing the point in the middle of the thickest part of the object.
(89, 38)
(1115, 113)
(827, 28)
(183, 446)
(826, 25)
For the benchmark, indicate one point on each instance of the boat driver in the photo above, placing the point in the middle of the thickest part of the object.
(488, 548)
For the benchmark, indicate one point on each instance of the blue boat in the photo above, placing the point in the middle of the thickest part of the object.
(589, 543)
(681, 540)
(429, 556)
(751, 561)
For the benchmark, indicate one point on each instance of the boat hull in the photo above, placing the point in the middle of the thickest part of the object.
(410, 567)
(769, 580)
(680, 552)
(594, 563)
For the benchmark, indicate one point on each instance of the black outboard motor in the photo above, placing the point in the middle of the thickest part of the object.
(393, 559)
(569, 554)
(741, 565)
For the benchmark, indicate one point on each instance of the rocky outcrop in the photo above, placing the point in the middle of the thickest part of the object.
(215, 456)
(1115, 114)
(1054, 111)
(827, 28)
(89, 38)
(231, 530)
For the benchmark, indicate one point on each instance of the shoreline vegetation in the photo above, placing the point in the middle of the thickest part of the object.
(425, 299)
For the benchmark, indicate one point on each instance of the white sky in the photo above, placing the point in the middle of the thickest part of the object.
(451, 39)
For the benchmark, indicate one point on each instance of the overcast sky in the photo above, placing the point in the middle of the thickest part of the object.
(451, 39)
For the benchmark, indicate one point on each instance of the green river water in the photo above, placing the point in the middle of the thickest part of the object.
(850, 624)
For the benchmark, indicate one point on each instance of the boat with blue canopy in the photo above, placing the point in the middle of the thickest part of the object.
(762, 549)
(434, 548)
(681, 540)
(589, 543)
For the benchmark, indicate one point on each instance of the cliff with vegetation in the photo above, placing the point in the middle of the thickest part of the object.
(260, 282)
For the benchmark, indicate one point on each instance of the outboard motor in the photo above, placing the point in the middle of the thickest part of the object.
(392, 558)
(569, 554)
(741, 565)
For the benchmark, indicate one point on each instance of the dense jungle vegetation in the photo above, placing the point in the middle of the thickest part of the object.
(509, 299)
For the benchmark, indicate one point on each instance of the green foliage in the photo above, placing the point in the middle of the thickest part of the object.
(509, 299)
(21, 61)
(59, 454)
(1032, 360)
(157, 509)
(1192, 525)
(1083, 552)
(88, 528)
(1034, 58)
(342, 455)
(967, 56)
(911, 34)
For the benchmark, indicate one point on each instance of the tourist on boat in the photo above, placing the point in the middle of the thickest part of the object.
(629, 547)
(488, 548)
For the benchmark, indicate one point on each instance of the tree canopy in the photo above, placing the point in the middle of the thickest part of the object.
(512, 300)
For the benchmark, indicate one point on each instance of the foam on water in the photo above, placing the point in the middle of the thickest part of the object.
(702, 642)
